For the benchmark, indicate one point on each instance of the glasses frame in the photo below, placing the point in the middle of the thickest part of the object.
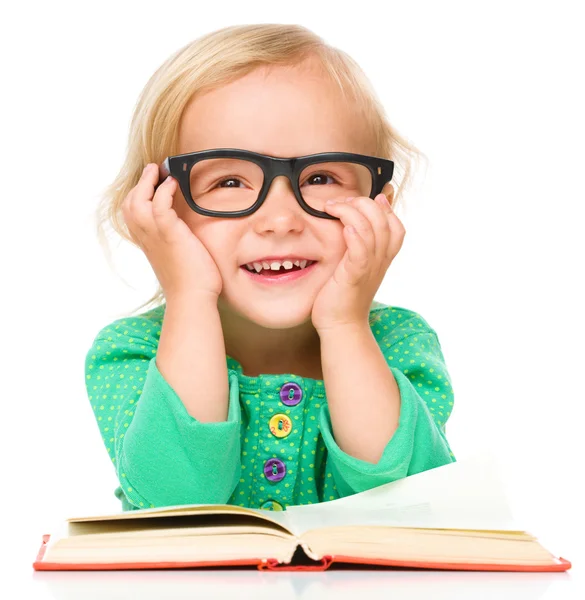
(179, 167)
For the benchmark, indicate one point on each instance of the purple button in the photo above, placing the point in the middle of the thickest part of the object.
(290, 394)
(274, 469)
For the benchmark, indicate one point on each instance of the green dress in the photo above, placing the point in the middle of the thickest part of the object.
(277, 447)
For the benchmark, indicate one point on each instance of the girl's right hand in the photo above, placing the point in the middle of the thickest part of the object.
(181, 262)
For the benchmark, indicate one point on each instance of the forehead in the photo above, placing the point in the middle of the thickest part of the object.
(281, 111)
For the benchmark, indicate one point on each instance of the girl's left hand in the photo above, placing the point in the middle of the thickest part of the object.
(347, 297)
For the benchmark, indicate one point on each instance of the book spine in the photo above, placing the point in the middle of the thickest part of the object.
(272, 564)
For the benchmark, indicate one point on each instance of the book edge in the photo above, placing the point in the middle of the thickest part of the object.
(272, 564)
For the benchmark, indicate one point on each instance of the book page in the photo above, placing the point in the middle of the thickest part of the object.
(177, 509)
(180, 513)
(467, 494)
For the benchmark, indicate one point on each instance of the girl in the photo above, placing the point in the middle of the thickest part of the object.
(265, 375)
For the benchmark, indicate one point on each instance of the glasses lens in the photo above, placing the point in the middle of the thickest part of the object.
(333, 181)
(225, 184)
(232, 184)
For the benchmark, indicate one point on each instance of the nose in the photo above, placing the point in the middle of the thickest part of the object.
(280, 211)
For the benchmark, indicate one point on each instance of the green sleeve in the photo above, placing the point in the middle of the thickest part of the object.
(162, 455)
(419, 442)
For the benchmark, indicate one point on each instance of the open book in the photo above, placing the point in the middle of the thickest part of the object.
(452, 517)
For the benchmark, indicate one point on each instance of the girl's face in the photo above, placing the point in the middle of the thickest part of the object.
(281, 112)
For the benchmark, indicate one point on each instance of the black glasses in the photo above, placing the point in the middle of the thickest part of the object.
(229, 182)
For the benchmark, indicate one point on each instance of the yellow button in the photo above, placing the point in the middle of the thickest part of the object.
(280, 425)
(272, 505)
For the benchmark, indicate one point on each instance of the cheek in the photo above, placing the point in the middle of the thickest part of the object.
(216, 237)
(195, 221)
(214, 234)
(335, 243)
(181, 207)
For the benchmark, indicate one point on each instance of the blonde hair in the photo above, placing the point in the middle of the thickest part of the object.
(219, 58)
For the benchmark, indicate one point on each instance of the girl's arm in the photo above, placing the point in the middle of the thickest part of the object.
(352, 361)
(163, 454)
(387, 406)
(191, 356)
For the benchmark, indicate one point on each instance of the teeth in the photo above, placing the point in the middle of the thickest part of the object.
(275, 265)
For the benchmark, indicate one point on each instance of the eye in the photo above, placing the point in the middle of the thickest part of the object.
(220, 184)
(320, 178)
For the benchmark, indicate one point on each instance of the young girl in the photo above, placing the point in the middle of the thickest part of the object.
(265, 375)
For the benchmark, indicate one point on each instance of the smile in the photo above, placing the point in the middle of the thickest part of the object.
(272, 277)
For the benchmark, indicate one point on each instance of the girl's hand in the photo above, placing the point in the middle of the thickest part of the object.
(180, 261)
(347, 297)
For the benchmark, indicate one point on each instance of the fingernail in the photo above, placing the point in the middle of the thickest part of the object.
(330, 202)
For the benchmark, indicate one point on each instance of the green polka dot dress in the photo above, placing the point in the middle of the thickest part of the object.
(277, 447)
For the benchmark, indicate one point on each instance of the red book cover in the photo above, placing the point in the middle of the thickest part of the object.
(273, 565)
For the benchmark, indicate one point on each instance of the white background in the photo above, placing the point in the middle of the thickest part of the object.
(492, 92)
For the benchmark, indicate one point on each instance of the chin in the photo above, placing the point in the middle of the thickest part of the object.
(280, 320)
(271, 314)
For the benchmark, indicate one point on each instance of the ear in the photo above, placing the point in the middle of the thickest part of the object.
(388, 191)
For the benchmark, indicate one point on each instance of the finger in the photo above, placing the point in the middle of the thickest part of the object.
(164, 215)
(377, 212)
(358, 255)
(349, 214)
(134, 233)
(149, 178)
(397, 233)
(136, 221)
(146, 183)
(388, 227)
(146, 186)
(140, 216)
(138, 207)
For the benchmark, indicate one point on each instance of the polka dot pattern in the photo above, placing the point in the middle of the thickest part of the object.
(121, 373)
